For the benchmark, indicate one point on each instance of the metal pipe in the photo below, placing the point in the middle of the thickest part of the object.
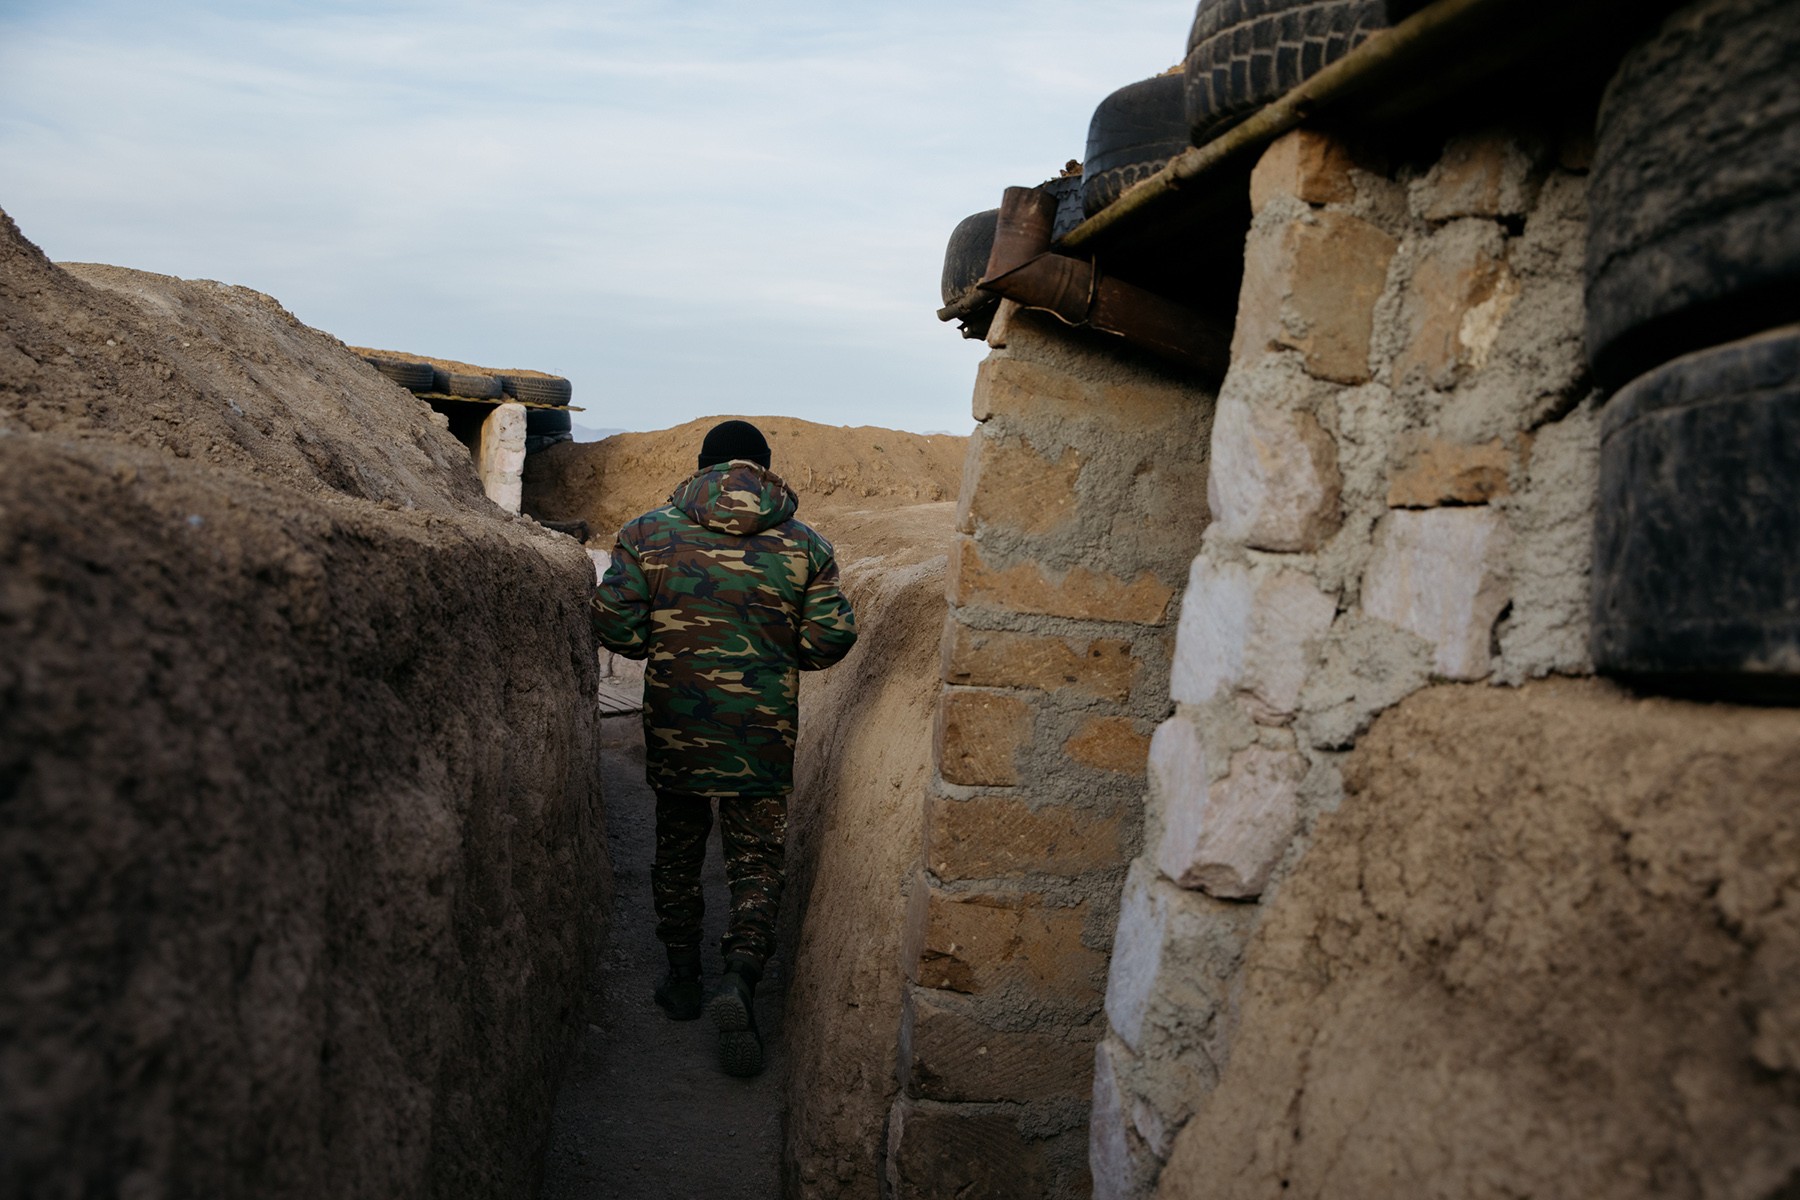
(1074, 291)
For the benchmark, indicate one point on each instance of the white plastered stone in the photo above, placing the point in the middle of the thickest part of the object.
(1442, 573)
(1225, 838)
(1250, 630)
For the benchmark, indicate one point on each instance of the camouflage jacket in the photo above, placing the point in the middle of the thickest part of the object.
(727, 596)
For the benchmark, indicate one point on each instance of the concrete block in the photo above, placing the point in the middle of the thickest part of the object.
(1226, 837)
(952, 1054)
(979, 735)
(1306, 164)
(1097, 668)
(1248, 630)
(946, 1151)
(500, 455)
(1442, 574)
(1109, 744)
(1274, 482)
(1311, 285)
(1436, 472)
(1007, 483)
(1070, 382)
(981, 943)
(998, 836)
(1079, 592)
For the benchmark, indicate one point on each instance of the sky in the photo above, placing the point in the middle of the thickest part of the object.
(687, 208)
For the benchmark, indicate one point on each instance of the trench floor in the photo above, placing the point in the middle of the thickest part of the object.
(644, 1111)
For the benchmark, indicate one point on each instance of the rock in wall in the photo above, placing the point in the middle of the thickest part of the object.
(854, 835)
(300, 846)
(1549, 946)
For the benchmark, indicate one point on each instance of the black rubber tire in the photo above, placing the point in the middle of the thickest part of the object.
(1696, 579)
(1132, 134)
(551, 389)
(475, 387)
(966, 254)
(1244, 53)
(1694, 199)
(413, 376)
(545, 422)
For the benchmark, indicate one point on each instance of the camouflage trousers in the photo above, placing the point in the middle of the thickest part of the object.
(752, 832)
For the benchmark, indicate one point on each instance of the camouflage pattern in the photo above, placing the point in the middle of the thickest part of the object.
(727, 596)
(753, 831)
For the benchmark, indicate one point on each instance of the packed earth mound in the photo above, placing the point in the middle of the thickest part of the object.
(831, 467)
(1552, 938)
(854, 837)
(300, 852)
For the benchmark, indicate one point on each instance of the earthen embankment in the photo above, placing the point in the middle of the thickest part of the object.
(300, 854)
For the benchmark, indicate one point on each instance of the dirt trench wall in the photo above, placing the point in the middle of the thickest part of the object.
(300, 856)
(853, 848)
(1549, 946)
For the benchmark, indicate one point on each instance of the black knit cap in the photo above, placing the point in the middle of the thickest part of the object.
(734, 439)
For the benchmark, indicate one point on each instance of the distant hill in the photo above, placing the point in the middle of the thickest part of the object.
(833, 468)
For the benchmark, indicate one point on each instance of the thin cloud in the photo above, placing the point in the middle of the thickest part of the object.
(672, 204)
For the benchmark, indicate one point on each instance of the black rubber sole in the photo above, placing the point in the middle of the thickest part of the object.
(680, 1008)
(740, 1047)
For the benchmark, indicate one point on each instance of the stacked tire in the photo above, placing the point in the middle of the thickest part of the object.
(1243, 54)
(1132, 134)
(413, 376)
(544, 427)
(1693, 316)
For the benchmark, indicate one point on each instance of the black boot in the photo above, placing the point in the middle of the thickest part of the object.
(680, 990)
(733, 1010)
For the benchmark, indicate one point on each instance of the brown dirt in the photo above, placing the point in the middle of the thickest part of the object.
(644, 1112)
(300, 853)
(834, 468)
(450, 364)
(643, 1086)
(1549, 946)
(865, 753)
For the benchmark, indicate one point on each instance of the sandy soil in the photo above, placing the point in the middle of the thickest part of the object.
(865, 754)
(833, 468)
(300, 851)
(641, 1085)
(1549, 946)
(644, 1112)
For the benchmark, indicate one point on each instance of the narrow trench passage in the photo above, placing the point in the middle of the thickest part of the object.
(644, 1111)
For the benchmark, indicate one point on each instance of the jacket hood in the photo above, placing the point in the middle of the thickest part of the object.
(738, 497)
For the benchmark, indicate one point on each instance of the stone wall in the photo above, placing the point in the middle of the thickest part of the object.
(1404, 462)
(1082, 506)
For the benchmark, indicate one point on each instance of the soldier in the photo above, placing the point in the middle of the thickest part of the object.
(727, 596)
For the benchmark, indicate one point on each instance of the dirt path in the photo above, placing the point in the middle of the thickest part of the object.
(645, 1112)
